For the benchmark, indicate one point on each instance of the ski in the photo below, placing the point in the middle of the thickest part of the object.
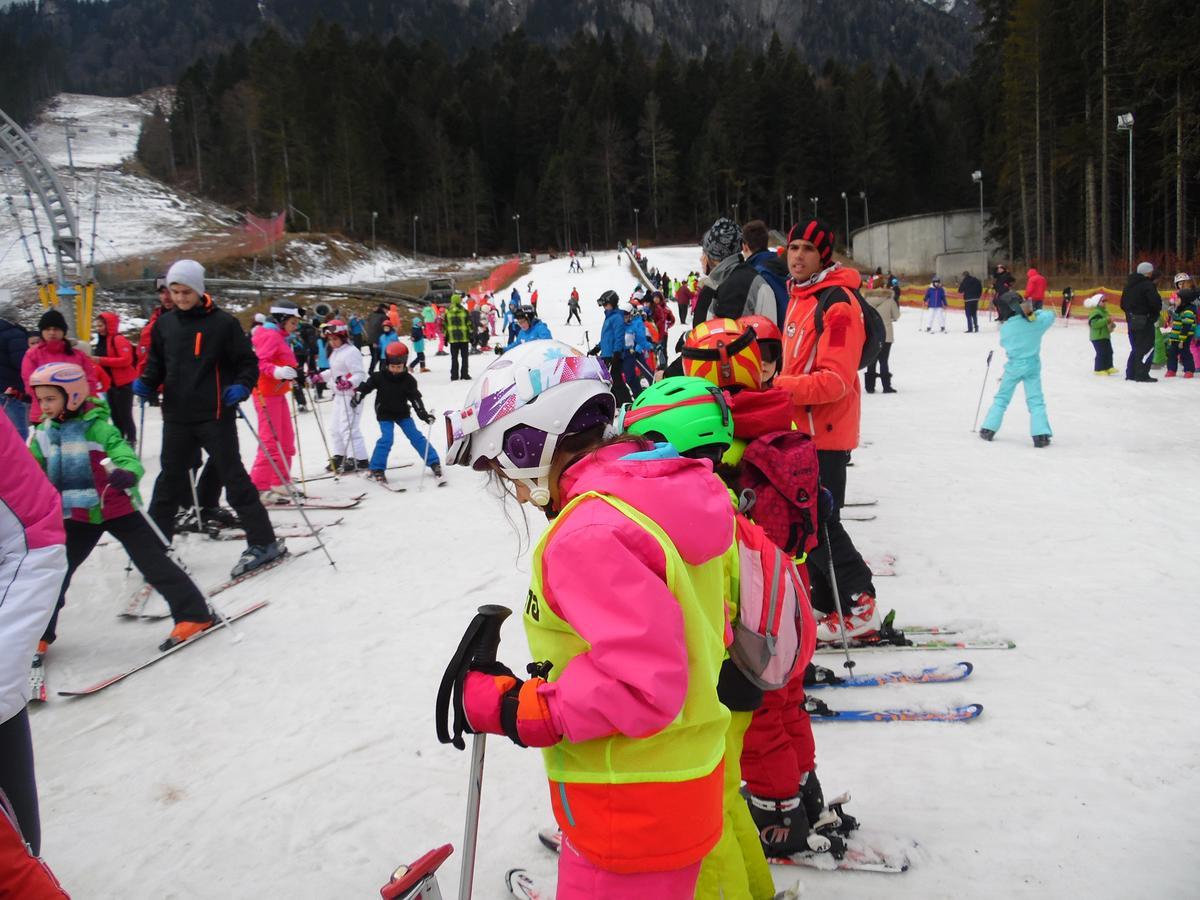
(234, 534)
(859, 856)
(861, 503)
(37, 679)
(316, 503)
(927, 675)
(933, 643)
(323, 475)
(388, 487)
(846, 518)
(108, 682)
(820, 712)
(521, 885)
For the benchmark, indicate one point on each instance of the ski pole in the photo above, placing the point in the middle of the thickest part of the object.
(196, 500)
(979, 405)
(299, 448)
(849, 664)
(425, 459)
(108, 466)
(141, 427)
(478, 647)
(278, 467)
(291, 490)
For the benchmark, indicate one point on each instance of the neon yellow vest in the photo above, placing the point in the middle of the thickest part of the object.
(694, 743)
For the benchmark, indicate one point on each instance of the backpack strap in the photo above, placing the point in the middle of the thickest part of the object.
(825, 299)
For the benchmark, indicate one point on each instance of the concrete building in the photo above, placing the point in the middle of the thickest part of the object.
(945, 243)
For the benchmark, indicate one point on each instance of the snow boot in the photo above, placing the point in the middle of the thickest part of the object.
(986, 433)
(335, 464)
(256, 556)
(364, 464)
(1189, 374)
(1169, 374)
(185, 631)
(862, 621)
(1041, 440)
(436, 468)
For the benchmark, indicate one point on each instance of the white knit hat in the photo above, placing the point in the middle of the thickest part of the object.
(189, 273)
(1093, 301)
(1145, 268)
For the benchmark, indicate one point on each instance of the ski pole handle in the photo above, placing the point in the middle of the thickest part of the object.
(489, 637)
(478, 646)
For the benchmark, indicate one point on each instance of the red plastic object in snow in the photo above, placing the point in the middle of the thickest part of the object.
(409, 882)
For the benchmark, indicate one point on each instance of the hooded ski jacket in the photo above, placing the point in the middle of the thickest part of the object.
(628, 602)
(458, 322)
(103, 441)
(1035, 285)
(272, 349)
(114, 353)
(537, 331)
(1099, 324)
(194, 356)
(143, 344)
(710, 284)
(822, 374)
(612, 334)
(33, 556)
(14, 342)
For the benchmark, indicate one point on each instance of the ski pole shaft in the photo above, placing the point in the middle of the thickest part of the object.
(195, 498)
(296, 431)
(321, 428)
(425, 456)
(982, 388)
(837, 603)
(286, 482)
(141, 427)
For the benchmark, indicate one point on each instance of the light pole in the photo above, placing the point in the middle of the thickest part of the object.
(636, 239)
(791, 213)
(846, 208)
(415, 218)
(1125, 123)
(977, 177)
(374, 246)
(814, 203)
(307, 220)
(517, 218)
(866, 209)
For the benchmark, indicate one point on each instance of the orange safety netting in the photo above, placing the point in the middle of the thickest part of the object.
(496, 279)
(262, 233)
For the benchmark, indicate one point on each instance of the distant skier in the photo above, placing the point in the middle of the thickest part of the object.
(277, 373)
(345, 373)
(573, 307)
(1021, 332)
(397, 392)
(529, 327)
(1100, 328)
(935, 302)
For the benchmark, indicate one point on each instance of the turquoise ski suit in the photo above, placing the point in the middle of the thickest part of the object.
(1021, 339)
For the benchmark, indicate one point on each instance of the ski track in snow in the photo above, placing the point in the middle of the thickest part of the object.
(303, 762)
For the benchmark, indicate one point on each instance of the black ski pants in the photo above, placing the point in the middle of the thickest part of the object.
(460, 353)
(1141, 343)
(616, 368)
(972, 308)
(683, 311)
(573, 313)
(220, 441)
(374, 348)
(852, 572)
(1104, 355)
(879, 369)
(17, 778)
(148, 554)
(120, 404)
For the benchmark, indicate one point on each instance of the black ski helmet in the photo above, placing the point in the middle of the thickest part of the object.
(282, 310)
(1008, 305)
(609, 298)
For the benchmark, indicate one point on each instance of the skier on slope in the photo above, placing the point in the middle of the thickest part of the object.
(276, 374)
(529, 327)
(71, 442)
(206, 366)
(626, 608)
(345, 373)
(397, 391)
(1021, 331)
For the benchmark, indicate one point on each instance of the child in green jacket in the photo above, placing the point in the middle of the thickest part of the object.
(71, 444)
(1100, 327)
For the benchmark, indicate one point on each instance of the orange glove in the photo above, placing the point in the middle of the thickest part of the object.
(497, 702)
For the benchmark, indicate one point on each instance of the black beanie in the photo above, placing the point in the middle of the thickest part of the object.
(52, 318)
(817, 233)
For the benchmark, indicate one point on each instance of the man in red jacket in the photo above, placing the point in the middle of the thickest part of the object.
(820, 372)
(1035, 287)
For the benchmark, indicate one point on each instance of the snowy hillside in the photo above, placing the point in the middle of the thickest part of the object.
(301, 760)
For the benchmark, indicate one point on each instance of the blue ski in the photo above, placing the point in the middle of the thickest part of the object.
(927, 675)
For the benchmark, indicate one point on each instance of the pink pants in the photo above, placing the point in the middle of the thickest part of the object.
(278, 439)
(578, 879)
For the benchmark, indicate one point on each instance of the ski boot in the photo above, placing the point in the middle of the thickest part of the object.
(276, 495)
(436, 468)
(363, 464)
(861, 622)
(986, 433)
(782, 825)
(256, 556)
(335, 464)
(184, 631)
(815, 674)
(1041, 440)
(378, 475)
(217, 517)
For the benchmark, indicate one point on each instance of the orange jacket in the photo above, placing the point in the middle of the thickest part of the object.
(822, 375)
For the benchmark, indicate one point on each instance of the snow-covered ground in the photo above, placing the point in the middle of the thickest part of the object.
(301, 760)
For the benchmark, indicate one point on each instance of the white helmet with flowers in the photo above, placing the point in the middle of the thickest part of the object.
(522, 406)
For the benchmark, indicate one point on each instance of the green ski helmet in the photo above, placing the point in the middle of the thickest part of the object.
(688, 412)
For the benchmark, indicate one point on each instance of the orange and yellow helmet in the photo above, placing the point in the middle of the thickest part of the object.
(725, 353)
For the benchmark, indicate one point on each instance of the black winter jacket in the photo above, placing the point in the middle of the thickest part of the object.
(195, 356)
(395, 394)
(970, 287)
(14, 341)
(1141, 297)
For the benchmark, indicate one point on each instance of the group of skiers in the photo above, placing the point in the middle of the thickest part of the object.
(649, 716)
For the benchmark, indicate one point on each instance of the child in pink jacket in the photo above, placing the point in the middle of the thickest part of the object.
(625, 616)
(276, 374)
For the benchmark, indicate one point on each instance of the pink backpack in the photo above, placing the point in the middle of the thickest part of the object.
(775, 632)
(778, 486)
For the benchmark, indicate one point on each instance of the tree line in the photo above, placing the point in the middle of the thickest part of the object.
(599, 140)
